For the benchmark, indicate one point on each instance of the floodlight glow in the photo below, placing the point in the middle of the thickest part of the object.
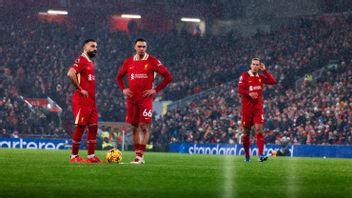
(58, 12)
(131, 16)
(184, 19)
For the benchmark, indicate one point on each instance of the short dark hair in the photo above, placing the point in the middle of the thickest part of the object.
(87, 41)
(140, 39)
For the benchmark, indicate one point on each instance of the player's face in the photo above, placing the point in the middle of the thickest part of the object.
(91, 49)
(255, 66)
(141, 48)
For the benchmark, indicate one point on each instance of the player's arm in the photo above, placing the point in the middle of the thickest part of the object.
(242, 88)
(119, 80)
(268, 77)
(72, 76)
(167, 78)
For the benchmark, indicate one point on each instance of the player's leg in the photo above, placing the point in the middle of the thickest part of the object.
(78, 133)
(145, 119)
(92, 137)
(246, 125)
(246, 142)
(142, 136)
(132, 117)
(145, 128)
(259, 134)
(136, 135)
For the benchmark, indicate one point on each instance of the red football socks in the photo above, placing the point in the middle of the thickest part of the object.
(139, 149)
(91, 139)
(260, 143)
(246, 144)
(76, 139)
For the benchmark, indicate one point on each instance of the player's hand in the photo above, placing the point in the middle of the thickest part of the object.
(84, 93)
(149, 93)
(127, 92)
(253, 95)
(262, 67)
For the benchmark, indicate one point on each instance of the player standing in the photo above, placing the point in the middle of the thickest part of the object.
(140, 71)
(82, 76)
(250, 86)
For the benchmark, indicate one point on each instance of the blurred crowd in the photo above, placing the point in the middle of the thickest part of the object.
(318, 112)
(36, 57)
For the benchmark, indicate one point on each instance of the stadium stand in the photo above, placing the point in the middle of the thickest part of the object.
(35, 60)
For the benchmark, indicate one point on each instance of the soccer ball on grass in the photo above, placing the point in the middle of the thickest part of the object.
(114, 156)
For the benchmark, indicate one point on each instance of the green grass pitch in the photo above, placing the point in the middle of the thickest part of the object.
(47, 173)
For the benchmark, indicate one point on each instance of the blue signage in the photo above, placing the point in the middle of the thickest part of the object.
(34, 143)
(291, 150)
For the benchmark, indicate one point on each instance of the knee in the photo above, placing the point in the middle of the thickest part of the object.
(246, 131)
(134, 128)
(144, 127)
(244, 135)
(258, 130)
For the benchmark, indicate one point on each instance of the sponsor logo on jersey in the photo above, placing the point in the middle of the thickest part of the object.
(254, 88)
(140, 76)
(132, 76)
(91, 77)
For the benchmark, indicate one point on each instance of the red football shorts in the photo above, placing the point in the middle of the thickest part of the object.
(84, 115)
(139, 112)
(251, 117)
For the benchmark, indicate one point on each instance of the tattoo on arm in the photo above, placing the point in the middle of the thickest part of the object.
(73, 77)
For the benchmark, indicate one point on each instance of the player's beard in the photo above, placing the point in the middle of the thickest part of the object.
(91, 54)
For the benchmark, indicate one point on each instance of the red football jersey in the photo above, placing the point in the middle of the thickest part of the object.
(86, 80)
(141, 75)
(253, 83)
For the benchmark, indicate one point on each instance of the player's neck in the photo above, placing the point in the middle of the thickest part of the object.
(253, 72)
(141, 57)
(86, 56)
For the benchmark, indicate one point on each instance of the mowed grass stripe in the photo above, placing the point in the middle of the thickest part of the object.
(47, 173)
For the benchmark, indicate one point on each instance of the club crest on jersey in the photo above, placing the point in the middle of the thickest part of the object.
(146, 66)
(260, 80)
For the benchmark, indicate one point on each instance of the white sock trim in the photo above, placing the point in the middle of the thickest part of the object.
(90, 156)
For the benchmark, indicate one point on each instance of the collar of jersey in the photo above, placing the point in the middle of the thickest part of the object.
(85, 56)
(145, 57)
(251, 73)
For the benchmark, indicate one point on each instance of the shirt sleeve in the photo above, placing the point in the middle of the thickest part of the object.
(268, 78)
(242, 86)
(161, 69)
(78, 65)
(119, 77)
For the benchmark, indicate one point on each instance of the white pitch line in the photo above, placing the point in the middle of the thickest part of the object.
(291, 175)
(229, 167)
